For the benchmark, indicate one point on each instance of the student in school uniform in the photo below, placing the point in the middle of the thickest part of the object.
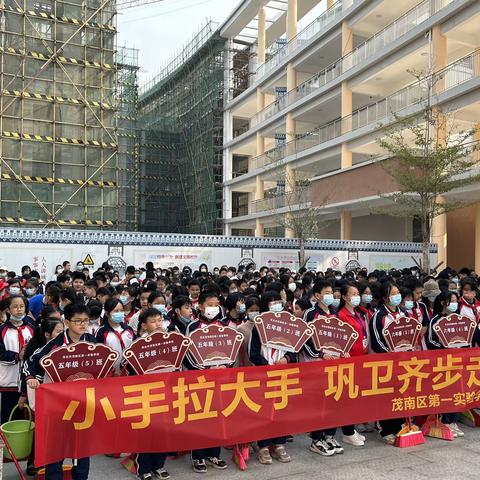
(236, 309)
(158, 301)
(209, 313)
(388, 310)
(445, 304)
(151, 466)
(366, 301)
(143, 295)
(252, 309)
(114, 332)
(468, 304)
(76, 323)
(14, 336)
(45, 331)
(271, 301)
(180, 315)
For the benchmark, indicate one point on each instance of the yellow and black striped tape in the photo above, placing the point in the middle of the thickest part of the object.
(56, 99)
(35, 179)
(51, 16)
(100, 223)
(126, 135)
(65, 60)
(47, 138)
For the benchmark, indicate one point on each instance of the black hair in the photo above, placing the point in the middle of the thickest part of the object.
(205, 295)
(445, 296)
(232, 299)
(319, 285)
(47, 310)
(38, 339)
(79, 276)
(63, 277)
(344, 291)
(179, 301)
(69, 294)
(73, 308)
(385, 289)
(144, 316)
(250, 301)
(470, 282)
(104, 291)
(154, 295)
(95, 308)
(304, 303)
(13, 297)
(267, 297)
(111, 304)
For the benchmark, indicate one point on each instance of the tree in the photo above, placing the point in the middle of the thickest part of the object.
(294, 211)
(431, 156)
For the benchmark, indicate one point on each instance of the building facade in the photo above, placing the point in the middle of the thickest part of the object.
(326, 77)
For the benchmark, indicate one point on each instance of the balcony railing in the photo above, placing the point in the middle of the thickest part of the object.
(298, 198)
(455, 74)
(302, 39)
(374, 44)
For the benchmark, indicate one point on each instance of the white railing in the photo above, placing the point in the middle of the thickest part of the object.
(300, 197)
(381, 111)
(374, 44)
(301, 39)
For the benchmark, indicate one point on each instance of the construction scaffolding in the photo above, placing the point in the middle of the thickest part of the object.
(126, 100)
(58, 101)
(181, 123)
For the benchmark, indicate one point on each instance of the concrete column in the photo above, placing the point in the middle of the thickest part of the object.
(439, 49)
(346, 225)
(476, 138)
(346, 98)
(292, 18)
(259, 194)
(347, 38)
(290, 126)
(330, 3)
(477, 238)
(259, 229)
(261, 35)
(439, 235)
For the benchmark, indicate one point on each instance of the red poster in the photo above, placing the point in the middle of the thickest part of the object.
(197, 409)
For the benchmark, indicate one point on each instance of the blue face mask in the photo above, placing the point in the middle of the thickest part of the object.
(123, 299)
(118, 317)
(14, 290)
(452, 307)
(242, 308)
(409, 304)
(396, 300)
(336, 303)
(328, 299)
(355, 300)
(367, 298)
(276, 307)
(161, 308)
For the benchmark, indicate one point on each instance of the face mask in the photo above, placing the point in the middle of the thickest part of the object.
(14, 290)
(355, 300)
(2, 275)
(114, 284)
(338, 277)
(161, 308)
(409, 304)
(211, 312)
(242, 308)
(61, 307)
(252, 315)
(453, 291)
(118, 317)
(396, 300)
(59, 271)
(452, 307)
(123, 299)
(203, 270)
(185, 320)
(367, 298)
(456, 280)
(328, 299)
(234, 291)
(292, 287)
(30, 291)
(79, 268)
(336, 303)
(276, 307)
(14, 318)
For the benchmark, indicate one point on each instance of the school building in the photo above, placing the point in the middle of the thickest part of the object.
(306, 102)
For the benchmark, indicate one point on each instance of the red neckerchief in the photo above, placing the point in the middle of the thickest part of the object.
(472, 306)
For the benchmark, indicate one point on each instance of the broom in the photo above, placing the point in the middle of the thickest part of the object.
(434, 427)
(409, 436)
(240, 455)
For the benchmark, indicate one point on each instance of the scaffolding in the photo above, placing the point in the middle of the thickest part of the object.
(58, 144)
(126, 100)
(181, 123)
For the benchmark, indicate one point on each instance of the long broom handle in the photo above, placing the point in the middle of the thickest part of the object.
(14, 458)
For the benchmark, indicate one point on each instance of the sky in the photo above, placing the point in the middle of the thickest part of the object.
(160, 30)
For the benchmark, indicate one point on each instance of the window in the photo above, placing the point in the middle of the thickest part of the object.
(239, 204)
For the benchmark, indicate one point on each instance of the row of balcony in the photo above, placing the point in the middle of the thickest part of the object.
(380, 113)
(362, 53)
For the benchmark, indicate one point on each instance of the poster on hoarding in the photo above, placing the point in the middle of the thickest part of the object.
(173, 256)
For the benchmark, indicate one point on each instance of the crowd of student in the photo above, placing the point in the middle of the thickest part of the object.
(114, 309)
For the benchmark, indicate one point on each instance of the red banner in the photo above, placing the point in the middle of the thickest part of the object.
(199, 409)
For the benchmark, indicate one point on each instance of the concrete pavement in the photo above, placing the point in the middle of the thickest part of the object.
(437, 459)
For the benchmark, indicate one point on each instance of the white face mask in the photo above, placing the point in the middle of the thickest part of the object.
(211, 312)
(276, 307)
(252, 315)
(292, 287)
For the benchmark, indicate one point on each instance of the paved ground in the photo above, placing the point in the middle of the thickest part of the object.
(436, 459)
